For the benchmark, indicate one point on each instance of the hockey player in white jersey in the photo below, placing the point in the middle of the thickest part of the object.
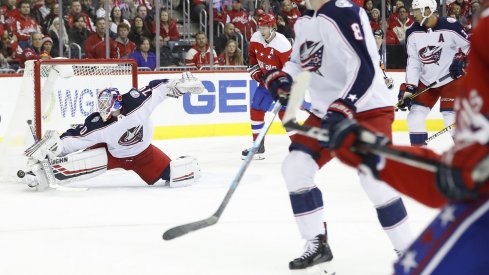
(436, 46)
(335, 43)
(119, 135)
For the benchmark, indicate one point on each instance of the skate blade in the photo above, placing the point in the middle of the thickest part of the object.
(318, 269)
(255, 157)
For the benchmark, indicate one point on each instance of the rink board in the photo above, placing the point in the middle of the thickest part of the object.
(222, 110)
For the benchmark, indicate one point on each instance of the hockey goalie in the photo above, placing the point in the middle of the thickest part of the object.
(119, 135)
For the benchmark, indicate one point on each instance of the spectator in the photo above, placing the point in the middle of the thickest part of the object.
(464, 5)
(77, 10)
(25, 25)
(79, 34)
(168, 27)
(200, 53)
(116, 18)
(9, 51)
(88, 9)
(395, 13)
(100, 12)
(46, 48)
(138, 30)
(33, 51)
(290, 12)
(368, 5)
(142, 11)
(38, 7)
(53, 13)
(401, 24)
(375, 19)
(128, 8)
(220, 14)
(124, 46)
(95, 44)
(54, 35)
(229, 33)
(143, 56)
(10, 12)
(238, 16)
(284, 28)
(231, 56)
(166, 56)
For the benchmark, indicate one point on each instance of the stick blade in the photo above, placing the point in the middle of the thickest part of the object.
(296, 97)
(183, 229)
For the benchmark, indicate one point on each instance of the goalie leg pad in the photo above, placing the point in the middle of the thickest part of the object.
(80, 166)
(50, 145)
(184, 171)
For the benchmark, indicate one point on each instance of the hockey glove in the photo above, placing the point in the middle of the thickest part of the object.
(457, 68)
(350, 141)
(464, 172)
(405, 91)
(256, 73)
(339, 110)
(279, 84)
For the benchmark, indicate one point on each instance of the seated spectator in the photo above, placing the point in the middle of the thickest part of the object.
(53, 34)
(200, 53)
(229, 33)
(76, 9)
(9, 50)
(231, 56)
(10, 12)
(142, 11)
(33, 51)
(53, 13)
(124, 46)
(116, 18)
(368, 5)
(238, 16)
(290, 12)
(395, 13)
(143, 56)
(128, 8)
(88, 9)
(464, 7)
(375, 19)
(25, 25)
(46, 48)
(95, 44)
(166, 56)
(284, 28)
(168, 27)
(401, 24)
(79, 33)
(138, 30)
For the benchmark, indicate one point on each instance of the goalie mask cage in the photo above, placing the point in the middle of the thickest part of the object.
(57, 94)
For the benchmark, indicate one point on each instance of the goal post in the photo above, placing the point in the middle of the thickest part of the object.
(56, 94)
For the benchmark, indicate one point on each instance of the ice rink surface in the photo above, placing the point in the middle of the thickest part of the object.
(116, 226)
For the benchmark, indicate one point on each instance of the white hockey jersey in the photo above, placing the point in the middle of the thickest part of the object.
(337, 46)
(126, 135)
(431, 51)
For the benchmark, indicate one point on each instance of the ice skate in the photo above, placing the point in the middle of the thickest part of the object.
(258, 155)
(317, 251)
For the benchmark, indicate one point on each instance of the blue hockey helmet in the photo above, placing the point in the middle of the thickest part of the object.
(109, 100)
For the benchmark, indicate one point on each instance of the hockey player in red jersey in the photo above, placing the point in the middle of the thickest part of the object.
(119, 135)
(457, 240)
(268, 50)
(431, 44)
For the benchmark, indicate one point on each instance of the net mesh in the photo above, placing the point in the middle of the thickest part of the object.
(64, 97)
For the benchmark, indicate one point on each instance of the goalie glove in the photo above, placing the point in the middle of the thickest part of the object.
(49, 146)
(187, 84)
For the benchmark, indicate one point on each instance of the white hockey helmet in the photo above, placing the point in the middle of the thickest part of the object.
(422, 5)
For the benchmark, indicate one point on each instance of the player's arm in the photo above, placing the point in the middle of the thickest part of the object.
(82, 136)
(293, 65)
(254, 68)
(414, 65)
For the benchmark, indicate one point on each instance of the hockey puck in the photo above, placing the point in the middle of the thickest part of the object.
(20, 174)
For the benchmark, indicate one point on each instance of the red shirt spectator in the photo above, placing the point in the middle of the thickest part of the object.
(290, 12)
(9, 12)
(391, 38)
(239, 17)
(76, 9)
(464, 5)
(124, 45)
(200, 55)
(24, 24)
(401, 24)
(231, 56)
(168, 27)
(95, 44)
(34, 51)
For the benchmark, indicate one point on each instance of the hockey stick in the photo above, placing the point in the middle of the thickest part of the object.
(181, 230)
(441, 132)
(424, 90)
(48, 169)
(295, 99)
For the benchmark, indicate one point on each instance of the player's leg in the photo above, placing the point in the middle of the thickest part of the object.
(416, 117)
(390, 208)
(455, 242)
(259, 106)
(153, 164)
(298, 170)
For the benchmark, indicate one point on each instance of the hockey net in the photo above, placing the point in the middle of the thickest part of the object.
(56, 94)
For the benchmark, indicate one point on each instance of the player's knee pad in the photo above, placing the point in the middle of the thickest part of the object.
(80, 166)
(378, 192)
(416, 118)
(262, 99)
(298, 170)
(184, 171)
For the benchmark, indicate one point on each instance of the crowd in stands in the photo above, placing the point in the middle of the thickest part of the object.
(31, 29)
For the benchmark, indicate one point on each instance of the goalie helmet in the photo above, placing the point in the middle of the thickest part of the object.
(109, 100)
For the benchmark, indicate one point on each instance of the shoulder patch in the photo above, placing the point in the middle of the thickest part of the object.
(451, 20)
(343, 4)
(95, 119)
(134, 93)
